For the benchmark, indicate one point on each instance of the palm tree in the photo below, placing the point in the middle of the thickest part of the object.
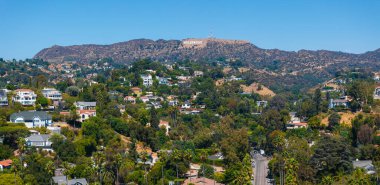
(49, 167)
(99, 160)
(118, 162)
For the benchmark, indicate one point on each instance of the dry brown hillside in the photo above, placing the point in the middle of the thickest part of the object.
(254, 87)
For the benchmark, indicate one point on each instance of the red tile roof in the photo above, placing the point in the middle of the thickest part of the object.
(6, 163)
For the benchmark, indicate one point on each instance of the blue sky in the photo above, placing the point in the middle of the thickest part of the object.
(342, 25)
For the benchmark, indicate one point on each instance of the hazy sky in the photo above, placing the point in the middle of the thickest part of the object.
(344, 25)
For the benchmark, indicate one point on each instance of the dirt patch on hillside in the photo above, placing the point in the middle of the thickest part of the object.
(226, 70)
(243, 69)
(255, 87)
(346, 118)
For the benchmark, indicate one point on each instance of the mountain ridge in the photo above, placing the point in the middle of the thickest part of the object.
(273, 67)
(191, 48)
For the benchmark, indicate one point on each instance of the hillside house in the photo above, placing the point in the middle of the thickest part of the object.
(343, 102)
(137, 91)
(52, 94)
(63, 180)
(367, 165)
(296, 125)
(81, 105)
(186, 105)
(85, 114)
(198, 73)
(163, 81)
(5, 164)
(130, 99)
(147, 80)
(32, 118)
(39, 141)
(164, 124)
(25, 97)
(262, 103)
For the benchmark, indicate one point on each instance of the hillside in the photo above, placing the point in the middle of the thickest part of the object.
(254, 88)
(277, 69)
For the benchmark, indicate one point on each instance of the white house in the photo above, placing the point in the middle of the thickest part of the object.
(198, 73)
(40, 141)
(162, 81)
(52, 94)
(338, 103)
(186, 105)
(25, 97)
(85, 114)
(32, 118)
(147, 80)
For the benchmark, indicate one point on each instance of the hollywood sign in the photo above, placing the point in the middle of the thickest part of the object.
(193, 42)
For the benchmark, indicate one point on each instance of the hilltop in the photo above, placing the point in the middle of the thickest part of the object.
(272, 67)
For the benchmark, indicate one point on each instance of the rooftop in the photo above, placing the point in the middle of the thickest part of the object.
(30, 115)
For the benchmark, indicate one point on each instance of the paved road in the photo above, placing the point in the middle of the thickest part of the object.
(260, 170)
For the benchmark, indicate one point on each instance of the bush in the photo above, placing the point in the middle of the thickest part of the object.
(366, 109)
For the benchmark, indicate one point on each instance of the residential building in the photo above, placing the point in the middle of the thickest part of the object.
(52, 94)
(144, 99)
(198, 73)
(85, 114)
(186, 105)
(295, 125)
(342, 102)
(5, 164)
(32, 118)
(163, 81)
(25, 97)
(262, 103)
(364, 164)
(63, 180)
(156, 104)
(56, 130)
(137, 91)
(295, 122)
(173, 102)
(164, 124)
(294, 118)
(217, 156)
(81, 105)
(147, 80)
(130, 99)
(39, 141)
(3, 97)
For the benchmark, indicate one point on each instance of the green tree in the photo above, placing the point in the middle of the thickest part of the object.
(361, 90)
(8, 179)
(154, 120)
(317, 98)
(331, 156)
(334, 120)
(5, 152)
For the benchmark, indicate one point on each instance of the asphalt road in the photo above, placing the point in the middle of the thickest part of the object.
(260, 170)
